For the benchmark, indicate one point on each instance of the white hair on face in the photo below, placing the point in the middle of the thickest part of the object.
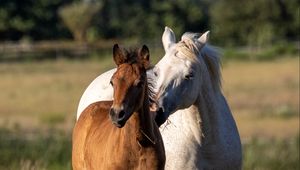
(206, 55)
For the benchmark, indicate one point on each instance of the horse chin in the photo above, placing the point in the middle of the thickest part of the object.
(119, 124)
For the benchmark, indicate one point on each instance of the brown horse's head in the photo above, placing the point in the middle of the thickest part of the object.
(129, 83)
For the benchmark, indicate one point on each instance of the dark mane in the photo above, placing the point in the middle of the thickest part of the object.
(131, 55)
(151, 85)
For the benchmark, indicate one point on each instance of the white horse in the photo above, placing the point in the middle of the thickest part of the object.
(200, 132)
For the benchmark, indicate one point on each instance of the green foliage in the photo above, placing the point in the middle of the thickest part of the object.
(263, 54)
(231, 53)
(78, 17)
(36, 19)
(256, 23)
(145, 20)
(277, 51)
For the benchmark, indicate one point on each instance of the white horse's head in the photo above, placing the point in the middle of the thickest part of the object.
(179, 75)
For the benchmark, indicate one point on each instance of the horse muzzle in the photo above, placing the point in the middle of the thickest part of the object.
(118, 117)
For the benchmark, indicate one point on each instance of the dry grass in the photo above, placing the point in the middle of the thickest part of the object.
(264, 96)
(32, 93)
(37, 97)
(262, 86)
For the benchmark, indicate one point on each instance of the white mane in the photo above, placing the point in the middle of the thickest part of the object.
(207, 56)
(203, 134)
(207, 59)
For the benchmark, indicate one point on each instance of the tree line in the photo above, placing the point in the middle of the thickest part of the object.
(232, 22)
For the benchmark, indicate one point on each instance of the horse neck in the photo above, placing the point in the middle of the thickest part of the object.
(208, 108)
(143, 122)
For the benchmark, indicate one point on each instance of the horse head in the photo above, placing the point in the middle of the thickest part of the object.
(178, 74)
(129, 83)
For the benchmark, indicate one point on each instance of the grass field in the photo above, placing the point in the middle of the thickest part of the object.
(38, 103)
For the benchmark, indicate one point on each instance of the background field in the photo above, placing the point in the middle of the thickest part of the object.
(51, 50)
(38, 103)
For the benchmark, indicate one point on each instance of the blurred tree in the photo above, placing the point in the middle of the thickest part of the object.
(125, 19)
(146, 19)
(255, 23)
(289, 18)
(47, 22)
(36, 19)
(233, 22)
(14, 19)
(78, 16)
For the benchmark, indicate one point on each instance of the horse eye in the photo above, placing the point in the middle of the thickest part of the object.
(111, 83)
(189, 76)
(155, 72)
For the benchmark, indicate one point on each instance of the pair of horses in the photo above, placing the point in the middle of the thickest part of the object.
(195, 121)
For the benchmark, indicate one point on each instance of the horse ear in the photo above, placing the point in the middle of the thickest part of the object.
(144, 56)
(168, 38)
(204, 38)
(118, 55)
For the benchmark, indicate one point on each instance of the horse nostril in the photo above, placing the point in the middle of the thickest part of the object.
(111, 112)
(121, 114)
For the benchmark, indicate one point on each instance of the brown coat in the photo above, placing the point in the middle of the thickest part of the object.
(120, 134)
(98, 144)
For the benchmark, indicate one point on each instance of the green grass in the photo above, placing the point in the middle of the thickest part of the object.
(51, 150)
(52, 118)
(271, 154)
(36, 150)
(268, 53)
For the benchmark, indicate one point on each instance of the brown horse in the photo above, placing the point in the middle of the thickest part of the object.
(120, 134)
